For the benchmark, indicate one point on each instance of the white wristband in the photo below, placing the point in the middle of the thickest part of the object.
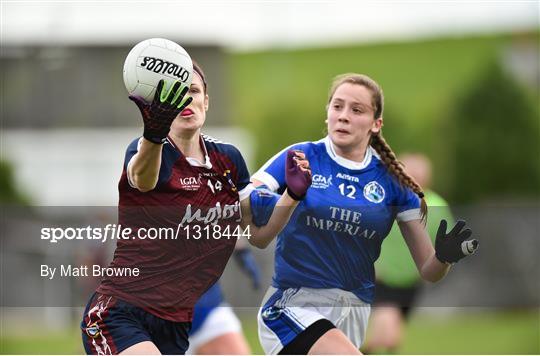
(468, 247)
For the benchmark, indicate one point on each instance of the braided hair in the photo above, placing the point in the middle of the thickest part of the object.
(377, 141)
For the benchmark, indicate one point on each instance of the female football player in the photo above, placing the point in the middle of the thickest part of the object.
(183, 203)
(319, 301)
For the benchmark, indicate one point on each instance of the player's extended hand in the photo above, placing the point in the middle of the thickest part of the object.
(297, 174)
(245, 259)
(160, 113)
(453, 246)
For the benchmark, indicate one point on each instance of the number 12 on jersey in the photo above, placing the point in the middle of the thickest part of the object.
(347, 191)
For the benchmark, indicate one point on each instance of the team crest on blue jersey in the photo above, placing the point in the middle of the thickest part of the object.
(374, 192)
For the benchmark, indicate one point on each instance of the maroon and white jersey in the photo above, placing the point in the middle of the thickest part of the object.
(197, 206)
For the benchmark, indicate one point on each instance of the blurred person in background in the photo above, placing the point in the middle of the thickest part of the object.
(215, 329)
(174, 171)
(397, 281)
(324, 281)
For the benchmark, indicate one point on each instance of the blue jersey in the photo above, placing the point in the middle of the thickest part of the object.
(335, 234)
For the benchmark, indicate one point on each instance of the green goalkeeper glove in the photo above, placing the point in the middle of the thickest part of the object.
(160, 113)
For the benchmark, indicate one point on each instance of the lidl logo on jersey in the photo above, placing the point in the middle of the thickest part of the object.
(321, 182)
(374, 192)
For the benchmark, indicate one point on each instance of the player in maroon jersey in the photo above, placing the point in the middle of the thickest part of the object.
(193, 188)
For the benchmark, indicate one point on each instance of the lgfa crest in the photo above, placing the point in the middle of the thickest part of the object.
(321, 182)
(374, 192)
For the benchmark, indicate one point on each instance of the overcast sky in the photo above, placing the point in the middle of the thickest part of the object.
(257, 24)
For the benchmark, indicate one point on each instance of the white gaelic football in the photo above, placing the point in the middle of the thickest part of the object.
(152, 60)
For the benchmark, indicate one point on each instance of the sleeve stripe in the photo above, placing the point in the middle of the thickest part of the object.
(244, 193)
(267, 180)
(408, 215)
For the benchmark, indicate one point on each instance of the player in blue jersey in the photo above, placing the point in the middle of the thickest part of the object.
(215, 329)
(323, 282)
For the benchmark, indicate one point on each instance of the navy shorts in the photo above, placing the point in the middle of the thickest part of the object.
(111, 325)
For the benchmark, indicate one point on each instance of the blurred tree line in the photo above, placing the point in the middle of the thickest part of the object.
(496, 139)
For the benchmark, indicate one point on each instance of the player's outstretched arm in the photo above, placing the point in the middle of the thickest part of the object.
(422, 251)
(261, 236)
(434, 263)
(143, 169)
(298, 179)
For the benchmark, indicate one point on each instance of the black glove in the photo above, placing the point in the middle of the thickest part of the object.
(160, 113)
(453, 246)
(245, 259)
